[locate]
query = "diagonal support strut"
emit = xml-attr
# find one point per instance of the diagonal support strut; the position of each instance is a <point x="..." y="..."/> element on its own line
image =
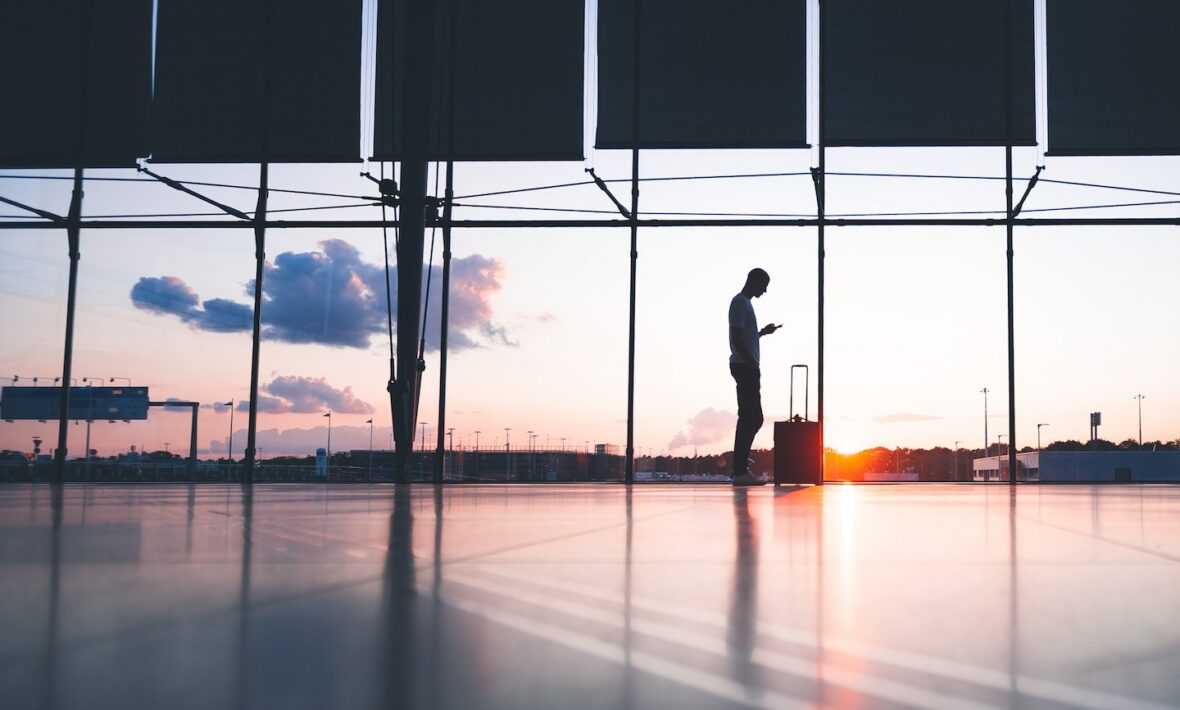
<point x="175" y="185"/>
<point x="56" y="219"/>
<point x="1032" y="182"/>
<point x="603" y="186"/>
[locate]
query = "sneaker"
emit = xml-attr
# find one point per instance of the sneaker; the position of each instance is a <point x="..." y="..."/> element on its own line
<point x="748" y="479"/>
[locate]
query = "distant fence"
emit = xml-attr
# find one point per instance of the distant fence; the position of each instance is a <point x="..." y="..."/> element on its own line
<point x="179" y="472"/>
<point x="77" y="471"/>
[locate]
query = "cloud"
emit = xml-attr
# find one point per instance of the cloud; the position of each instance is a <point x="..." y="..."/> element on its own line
<point x="903" y="417"/>
<point x="166" y="294"/>
<point x="222" y="316"/>
<point x="546" y="317"/>
<point x="169" y="295"/>
<point x="177" y="410"/>
<point x="707" y="426"/>
<point x="474" y="280"/>
<point x="305" y="395"/>
<point x="330" y="297"/>
<point x="333" y="297"/>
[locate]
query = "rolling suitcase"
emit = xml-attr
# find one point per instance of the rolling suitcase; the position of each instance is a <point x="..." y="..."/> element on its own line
<point x="798" y="451"/>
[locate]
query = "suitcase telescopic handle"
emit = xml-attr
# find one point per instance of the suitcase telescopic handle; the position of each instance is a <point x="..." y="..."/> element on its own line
<point x="806" y="391"/>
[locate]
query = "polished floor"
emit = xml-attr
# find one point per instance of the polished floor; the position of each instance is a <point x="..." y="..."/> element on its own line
<point x="589" y="596"/>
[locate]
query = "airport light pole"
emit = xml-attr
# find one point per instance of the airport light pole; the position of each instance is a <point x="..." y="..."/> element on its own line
<point x="112" y="379"/>
<point x="1000" y="455"/>
<point x="477" y="454"/>
<point x="1039" y="435"/>
<point x="507" y="454"/>
<point x="986" y="441"/>
<point x="450" y="446"/>
<point x="90" y="418"/>
<point x="46" y="377"/>
<point x="328" y="461"/>
<point x="530" y="449"/>
<point x="1139" y="397"/>
<point x="423" y="434"/>
<point x="229" y="446"/>
<point x="957" y="460"/>
<point x="370" y="423"/>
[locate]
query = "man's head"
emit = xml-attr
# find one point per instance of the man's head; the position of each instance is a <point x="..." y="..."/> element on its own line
<point x="756" y="282"/>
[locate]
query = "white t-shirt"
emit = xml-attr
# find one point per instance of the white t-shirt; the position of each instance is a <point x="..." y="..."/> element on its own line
<point x="741" y="318"/>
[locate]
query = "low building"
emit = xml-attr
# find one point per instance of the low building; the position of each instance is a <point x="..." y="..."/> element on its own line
<point x="1082" y="467"/>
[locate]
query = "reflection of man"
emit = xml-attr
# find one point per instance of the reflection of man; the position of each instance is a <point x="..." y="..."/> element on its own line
<point x="743" y="365"/>
<point x="743" y="603"/>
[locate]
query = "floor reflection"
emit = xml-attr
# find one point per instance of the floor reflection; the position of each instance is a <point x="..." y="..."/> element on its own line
<point x="1013" y="599"/>
<point x="628" y="691"/>
<point x="242" y="667"/>
<point x="399" y="598"/>
<point x="421" y="596"/>
<point x="49" y="697"/>
<point x="743" y="600"/>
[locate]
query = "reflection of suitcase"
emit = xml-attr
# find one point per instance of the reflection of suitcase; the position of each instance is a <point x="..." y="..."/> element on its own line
<point x="798" y="451"/>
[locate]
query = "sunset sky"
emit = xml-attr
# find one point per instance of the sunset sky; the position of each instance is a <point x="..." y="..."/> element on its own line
<point x="915" y="316"/>
<point x="916" y="319"/>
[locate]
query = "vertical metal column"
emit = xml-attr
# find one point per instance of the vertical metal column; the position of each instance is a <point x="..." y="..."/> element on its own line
<point x="821" y="208"/>
<point x="417" y="100"/>
<point x="629" y="474"/>
<point x="259" y="250"/>
<point x="445" y="317"/>
<point x="629" y="470"/>
<point x="1010" y="228"/>
<point x="256" y="335"/>
<point x="444" y="326"/>
<point x="73" y="234"/>
<point x="74" y="237"/>
<point x="1011" y="325"/>
<point x="192" y="444"/>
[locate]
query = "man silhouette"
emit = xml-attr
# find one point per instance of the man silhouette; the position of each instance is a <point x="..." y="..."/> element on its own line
<point x="744" y="366"/>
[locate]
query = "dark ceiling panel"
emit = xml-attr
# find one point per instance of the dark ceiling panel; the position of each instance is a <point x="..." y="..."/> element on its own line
<point x="927" y="72"/>
<point x="77" y="81"/>
<point x="249" y="81"/>
<point x="1113" y="77"/>
<point x="517" y="85"/>
<point x="712" y="74"/>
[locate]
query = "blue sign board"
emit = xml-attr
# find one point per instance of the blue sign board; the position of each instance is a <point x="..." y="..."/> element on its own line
<point x="85" y="403"/>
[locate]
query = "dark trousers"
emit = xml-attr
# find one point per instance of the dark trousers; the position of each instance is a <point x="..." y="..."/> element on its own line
<point x="749" y="397"/>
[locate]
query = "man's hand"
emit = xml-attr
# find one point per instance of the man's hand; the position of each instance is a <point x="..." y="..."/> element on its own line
<point x="768" y="329"/>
